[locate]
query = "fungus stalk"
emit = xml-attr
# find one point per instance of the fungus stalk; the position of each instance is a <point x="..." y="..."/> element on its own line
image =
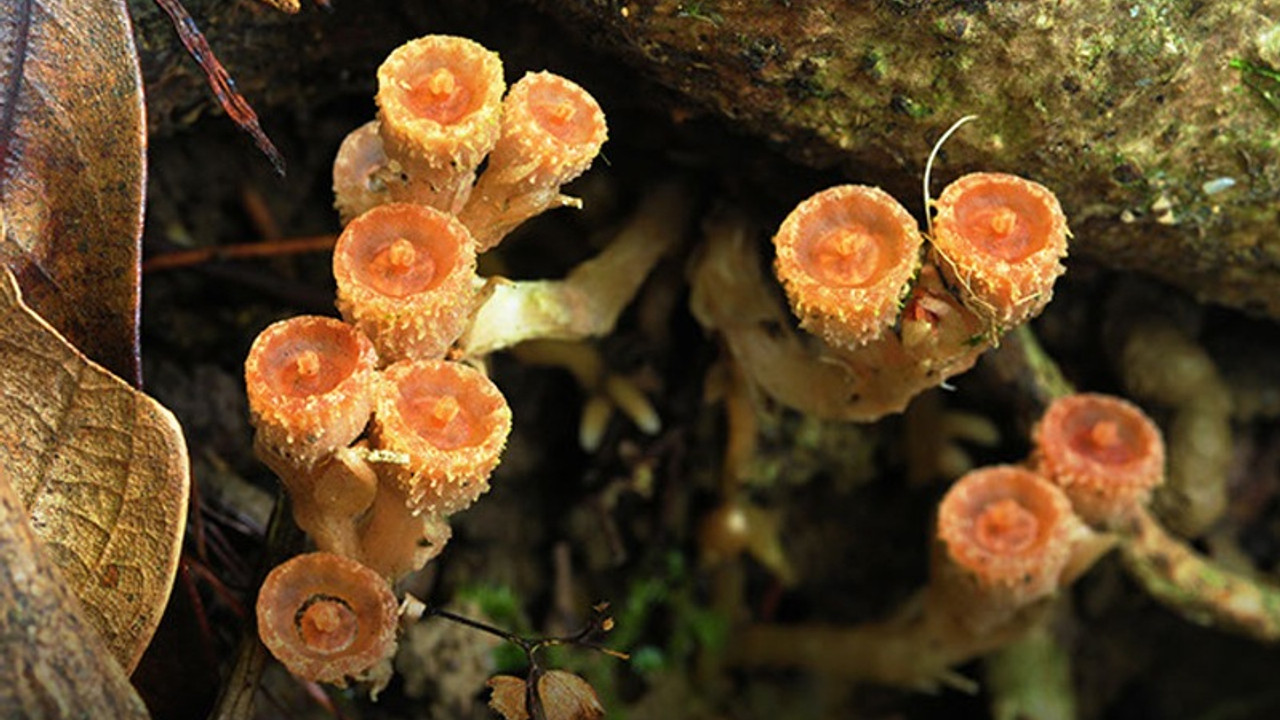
<point x="1031" y="677"/>
<point x="589" y="300"/>
<point x="1161" y="364"/>
<point x="330" y="502"/>
<point x="1196" y="587"/>
<point x="395" y="540"/>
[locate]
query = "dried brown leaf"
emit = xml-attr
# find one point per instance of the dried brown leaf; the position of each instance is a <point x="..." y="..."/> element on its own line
<point x="52" y="663"/>
<point x="72" y="142"/>
<point x="508" y="697"/>
<point x="102" y="470"/>
<point x="566" y="696"/>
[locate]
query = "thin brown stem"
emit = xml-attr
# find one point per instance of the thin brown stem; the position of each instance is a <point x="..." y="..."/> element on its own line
<point x="276" y="248"/>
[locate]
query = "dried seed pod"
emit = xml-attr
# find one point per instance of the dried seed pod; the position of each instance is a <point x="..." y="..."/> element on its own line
<point x="404" y="275"/>
<point x="1007" y="535"/>
<point x="1001" y="240"/>
<point x="1103" y="451"/>
<point x="551" y="131"/>
<point x="439" y="103"/>
<point x="327" y="618"/>
<point x="846" y="257"/>
<point x="309" y="383"/>
<point x="451" y="422"/>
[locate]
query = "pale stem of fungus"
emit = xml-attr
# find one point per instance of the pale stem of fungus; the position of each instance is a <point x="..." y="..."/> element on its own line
<point x="1161" y="363"/>
<point x="589" y="300"/>
<point x="1196" y="587"/>
<point x="393" y="539"/>
<point x="329" y="500"/>
<point x="915" y="649"/>
<point x="605" y="391"/>
<point x="731" y="296"/>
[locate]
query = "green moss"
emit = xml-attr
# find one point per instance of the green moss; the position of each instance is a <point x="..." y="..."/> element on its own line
<point x="1262" y="80"/>
<point x="700" y="11"/>
<point x="874" y="64"/>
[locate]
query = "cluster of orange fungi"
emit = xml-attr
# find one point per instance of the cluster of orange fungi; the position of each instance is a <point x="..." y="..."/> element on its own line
<point x="850" y="255"/>
<point x="1009" y="539"/>
<point x="1013" y="535"/>
<point x="376" y="435"/>
<point x="900" y="311"/>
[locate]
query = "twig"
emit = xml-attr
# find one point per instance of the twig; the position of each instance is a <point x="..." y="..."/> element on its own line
<point x="235" y="702"/>
<point x="275" y="248"/>
<point x="224" y="88"/>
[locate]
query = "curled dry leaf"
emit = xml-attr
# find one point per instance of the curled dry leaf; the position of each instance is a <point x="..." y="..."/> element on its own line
<point x="52" y="663"/>
<point x="102" y="471"/>
<point x="72" y="141"/>
<point x="508" y="698"/>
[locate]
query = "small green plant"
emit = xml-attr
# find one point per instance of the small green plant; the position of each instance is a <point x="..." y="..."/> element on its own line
<point x="1263" y="80"/>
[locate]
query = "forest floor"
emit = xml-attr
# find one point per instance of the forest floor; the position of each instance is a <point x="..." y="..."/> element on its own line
<point x="564" y="528"/>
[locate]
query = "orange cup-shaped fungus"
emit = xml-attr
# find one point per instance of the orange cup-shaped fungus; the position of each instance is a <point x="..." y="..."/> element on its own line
<point x="1104" y="452"/>
<point x="439" y="100"/>
<point x="1007" y="534"/>
<point x="1001" y="240"/>
<point x="404" y="276"/>
<point x="552" y="129"/>
<point x="327" y="618"/>
<point x="359" y="173"/>
<point x="846" y="257"/>
<point x="450" y="421"/>
<point x="309" y="381"/>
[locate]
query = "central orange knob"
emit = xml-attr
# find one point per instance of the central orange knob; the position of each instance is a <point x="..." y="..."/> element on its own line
<point x="1003" y="221"/>
<point x="1005" y="527"/>
<point x="401" y="255"/>
<point x="847" y="258"/>
<point x="307" y="364"/>
<point x="441" y="83"/>
<point x="328" y="625"/>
